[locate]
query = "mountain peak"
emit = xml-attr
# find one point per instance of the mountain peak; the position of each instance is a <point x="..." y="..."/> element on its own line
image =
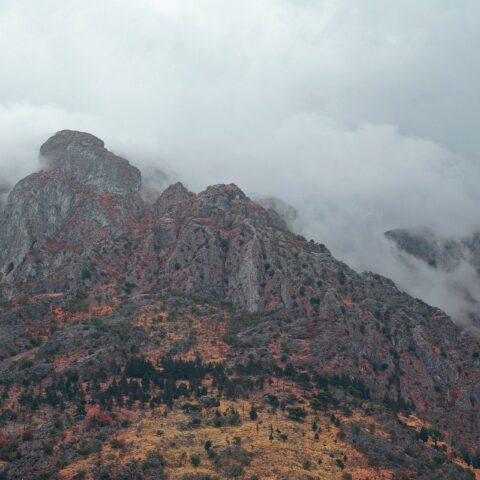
<point x="82" y="157"/>
<point x="69" y="140"/>
<point x="222" y="195"/>
<point x="171" y="196"/>
<point x="224" y="189"/>
<point x="175" y="192"/>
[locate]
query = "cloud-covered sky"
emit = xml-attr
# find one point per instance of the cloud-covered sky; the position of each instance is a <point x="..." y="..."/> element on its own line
<point x="362" y="115"/>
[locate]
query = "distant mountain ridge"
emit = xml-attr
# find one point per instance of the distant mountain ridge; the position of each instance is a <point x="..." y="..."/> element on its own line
<point x="445" y="255"/>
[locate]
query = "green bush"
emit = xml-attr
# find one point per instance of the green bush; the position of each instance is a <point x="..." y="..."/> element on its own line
<point x="296" y="413"/>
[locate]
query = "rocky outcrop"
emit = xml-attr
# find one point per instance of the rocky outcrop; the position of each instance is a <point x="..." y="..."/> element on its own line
<point x="83" y="197"/>
<point x="82" y="216"/>
<point x="83" y="159"/>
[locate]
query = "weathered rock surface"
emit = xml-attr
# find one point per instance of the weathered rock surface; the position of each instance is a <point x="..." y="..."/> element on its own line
<point x="53" y="219"/>
<point x="83" y="158"/>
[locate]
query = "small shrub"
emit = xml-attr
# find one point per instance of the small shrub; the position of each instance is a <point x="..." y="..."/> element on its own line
<point x="234" y="471"/>
<point x="296" y="413"/>
<point x="117" y="444"/>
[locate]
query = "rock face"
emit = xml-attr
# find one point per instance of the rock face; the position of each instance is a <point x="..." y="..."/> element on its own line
<point x="85" y="196"/>
<point x="83" y="213"/>
<point x="82" y="158"/>
<point x="79" y="229"/>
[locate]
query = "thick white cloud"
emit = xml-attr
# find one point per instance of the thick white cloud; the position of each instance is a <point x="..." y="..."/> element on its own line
<point x="363" y="115"/>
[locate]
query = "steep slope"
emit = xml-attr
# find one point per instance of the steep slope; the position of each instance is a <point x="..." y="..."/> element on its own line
<point x="202" y="318"/>
<point x="54" y="219"/>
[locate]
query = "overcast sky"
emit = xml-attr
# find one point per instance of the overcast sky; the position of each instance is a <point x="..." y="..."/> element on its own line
<point x="363" y="115"/>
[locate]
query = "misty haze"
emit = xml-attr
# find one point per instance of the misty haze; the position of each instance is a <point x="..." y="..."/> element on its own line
<point x="251" y="226"/>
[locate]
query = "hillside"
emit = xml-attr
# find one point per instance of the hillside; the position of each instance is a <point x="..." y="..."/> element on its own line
<point x="196" y="337"/>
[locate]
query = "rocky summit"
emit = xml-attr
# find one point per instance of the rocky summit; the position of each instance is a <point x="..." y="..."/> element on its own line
<point x="195" y="337"/>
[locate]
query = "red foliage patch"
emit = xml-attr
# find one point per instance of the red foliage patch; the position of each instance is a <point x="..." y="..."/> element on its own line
<point x="104" y="417"/>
